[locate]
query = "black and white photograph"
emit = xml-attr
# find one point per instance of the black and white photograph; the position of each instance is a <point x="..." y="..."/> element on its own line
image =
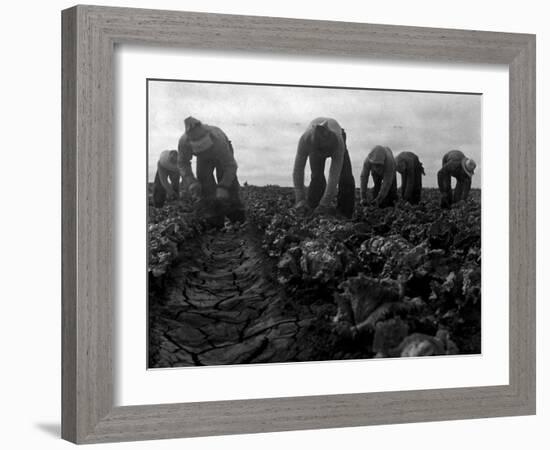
<point x="275" y="225"/>
<point x="289" y="224"/>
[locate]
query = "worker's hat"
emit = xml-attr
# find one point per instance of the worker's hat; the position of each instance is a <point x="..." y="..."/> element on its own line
<point x="191" y="123"/>
<point x="197" y="135"/>
<point x="469" y="166"/>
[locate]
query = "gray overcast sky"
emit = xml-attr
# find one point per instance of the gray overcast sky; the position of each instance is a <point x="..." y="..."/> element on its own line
<point x="265" y="122"/>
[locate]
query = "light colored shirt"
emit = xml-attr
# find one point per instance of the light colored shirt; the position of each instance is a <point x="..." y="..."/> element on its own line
<point x="378" y="156"/>
<point x="213" y="145"/>
<point x="306" y="146"/>
<point x="165" y="168"/>
<point x="166" y="162"/>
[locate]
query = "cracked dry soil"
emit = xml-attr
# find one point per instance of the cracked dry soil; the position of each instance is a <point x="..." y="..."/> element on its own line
<point x="222" y="306"/>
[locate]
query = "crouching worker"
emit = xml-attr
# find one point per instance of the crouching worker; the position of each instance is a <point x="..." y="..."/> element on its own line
<point x="167" y="169"/>
<point x="455" y="164"/>
<point x="324" y="138"/>
<point x="381" y="163"/>
<point x="219" y="197"/>
<point x="411" y="170"/>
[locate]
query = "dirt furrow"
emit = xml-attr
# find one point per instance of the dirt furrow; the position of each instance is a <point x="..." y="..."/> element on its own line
<point x="221" y="306"/>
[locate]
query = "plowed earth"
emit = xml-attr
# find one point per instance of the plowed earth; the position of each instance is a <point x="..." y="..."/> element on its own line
<point x="286" y="287"/>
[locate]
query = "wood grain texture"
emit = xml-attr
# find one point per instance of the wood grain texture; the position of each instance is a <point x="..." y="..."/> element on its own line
<point x="89" y="36"/>
<point x="68" y="225"/>
<point x="523" y="224"/>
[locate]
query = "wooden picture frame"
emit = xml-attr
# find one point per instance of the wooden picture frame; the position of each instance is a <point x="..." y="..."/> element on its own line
<point x="89" y="37"/>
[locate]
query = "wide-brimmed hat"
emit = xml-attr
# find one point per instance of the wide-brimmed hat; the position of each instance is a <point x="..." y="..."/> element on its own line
<point x="198" y="135"/>
<point x="194" y="129"/>
<point x="469" y="166"/>
<point x="190" y="123"/>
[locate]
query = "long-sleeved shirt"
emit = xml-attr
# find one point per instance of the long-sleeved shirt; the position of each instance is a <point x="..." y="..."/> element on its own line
<point x="210" y="143"/>
<point x="322" y="139"/>
<point x="452" y="164"/>
<point x="166" y="167"/>
<point x="381" y="156"/>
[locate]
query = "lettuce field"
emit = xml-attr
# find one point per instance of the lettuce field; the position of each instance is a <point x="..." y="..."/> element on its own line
<point x="285" y="286"/>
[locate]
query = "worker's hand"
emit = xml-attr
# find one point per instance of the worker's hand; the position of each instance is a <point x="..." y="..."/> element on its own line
<point x="222" y="193"/>
<point x="195" y="189"/>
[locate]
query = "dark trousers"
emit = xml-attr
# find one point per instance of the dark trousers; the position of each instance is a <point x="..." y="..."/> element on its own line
<point x="461" y="192"/>
<point x="345" y="200"/>
<point x="159" y="193"/>
<point x="416" y="190"/>
<point x="391" y="198"/>
<point x="212" y="209"/>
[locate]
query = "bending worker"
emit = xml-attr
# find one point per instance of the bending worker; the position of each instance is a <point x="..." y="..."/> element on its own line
<point x="382" y="165"/>
<point x="324" y="138"/>
<point x="219" y="197"/>
<point x="455" y="164"/>
<point x="411" y="170"/>
<point x="167" y="169"/>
